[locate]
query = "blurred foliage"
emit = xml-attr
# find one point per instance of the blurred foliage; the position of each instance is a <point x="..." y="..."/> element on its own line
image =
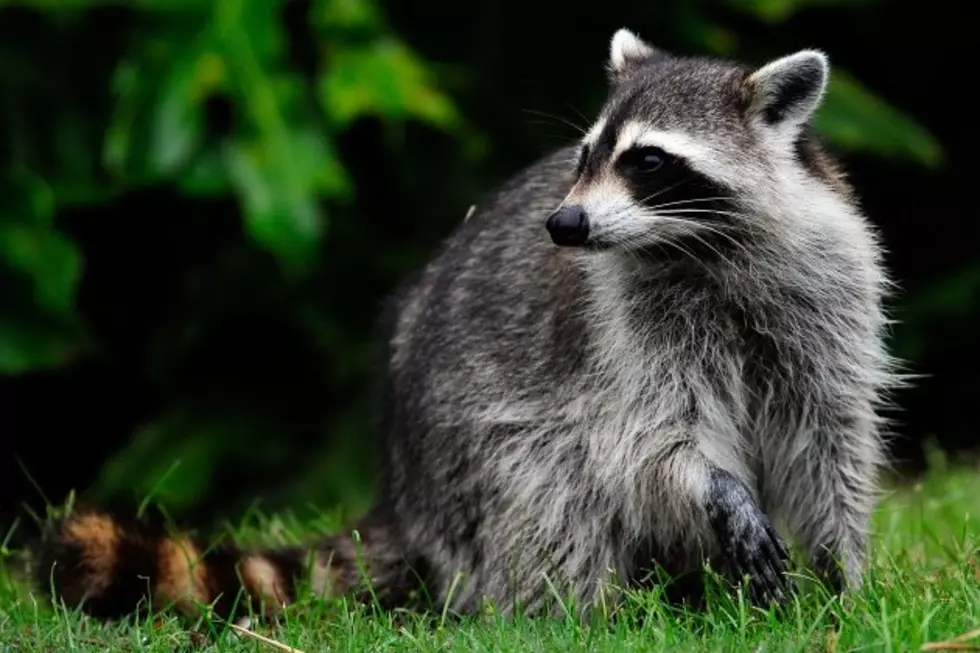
<point x="219" y="101"/>
<point x="202" y="96"/>
<point x="854" y="118"/>
<point x="41" y="268"/>
<point x="780" y="10"/>
<point x="279" y="160"/>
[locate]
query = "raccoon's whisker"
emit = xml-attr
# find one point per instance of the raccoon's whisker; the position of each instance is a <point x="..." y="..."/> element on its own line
<point x="714" y="249"/>
<point x="691" y="255"/>
<point x="626" y="244"/>
<point x="560" y="138"/>
<point x="689" y="201"/>
<point x="684" y="250"/>
<point x="692" y="232"/>
<point x="682" y="210"/>
<point x="580" y="114"/>
<point x="641" y="253"/>
<point x="644" y="252"/>
<point x="664" y="190"/>
<point x="622" y="245"/>
<point x="581" y="130"/>
<point x="729" y="238"/>
<point x="719" y="230"/>
<point x="746" y="226"/>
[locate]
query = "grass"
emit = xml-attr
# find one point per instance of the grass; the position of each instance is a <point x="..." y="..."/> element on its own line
<point x="923" y="587"/>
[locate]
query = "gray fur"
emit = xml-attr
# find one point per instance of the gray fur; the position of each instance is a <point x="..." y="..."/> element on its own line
<point x="555" y="417"/>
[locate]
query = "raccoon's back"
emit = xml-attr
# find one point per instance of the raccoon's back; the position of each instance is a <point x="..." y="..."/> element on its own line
<point x="500" y="300"/>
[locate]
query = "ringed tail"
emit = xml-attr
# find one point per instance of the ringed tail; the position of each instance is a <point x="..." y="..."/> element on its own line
<point x="112" y="568"/>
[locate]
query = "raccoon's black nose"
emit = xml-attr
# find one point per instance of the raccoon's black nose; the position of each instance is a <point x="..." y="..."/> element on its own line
<point x="568" y="226"/>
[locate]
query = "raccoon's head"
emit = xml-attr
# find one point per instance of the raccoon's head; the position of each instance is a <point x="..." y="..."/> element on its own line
<point x="692" y="149"/>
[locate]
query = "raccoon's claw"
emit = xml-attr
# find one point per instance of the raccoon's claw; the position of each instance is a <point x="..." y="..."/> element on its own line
<point x="759" y="553"/>
<point x="749" y="541"/>
<point x="755" y="550"/>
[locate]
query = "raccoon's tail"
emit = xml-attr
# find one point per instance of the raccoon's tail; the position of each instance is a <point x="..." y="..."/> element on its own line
<point x="112" y="567"/>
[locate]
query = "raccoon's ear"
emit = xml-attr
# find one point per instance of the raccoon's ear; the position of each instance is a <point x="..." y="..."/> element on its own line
<point x="627" y="52"/>
<point x="787" y="91"/>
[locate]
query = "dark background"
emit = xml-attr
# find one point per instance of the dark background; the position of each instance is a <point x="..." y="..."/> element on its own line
<point x="204" y="201"/>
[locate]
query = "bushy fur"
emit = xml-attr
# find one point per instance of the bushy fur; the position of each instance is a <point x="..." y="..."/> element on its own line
<point x="560" y="418"/>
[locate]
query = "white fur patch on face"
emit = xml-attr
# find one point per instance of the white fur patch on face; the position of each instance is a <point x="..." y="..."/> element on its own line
<point x="605" y="191"/>
<point x="639" y="134"/>
<point x="700" y="155"/>
<point x="611" y="210"/>
<point x="592" y="135"/>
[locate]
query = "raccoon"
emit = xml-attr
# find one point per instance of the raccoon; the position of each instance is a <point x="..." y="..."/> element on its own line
<point x="658" y="347"/>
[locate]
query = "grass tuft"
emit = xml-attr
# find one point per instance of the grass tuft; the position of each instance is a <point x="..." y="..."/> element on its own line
<point x="921" y="593"/>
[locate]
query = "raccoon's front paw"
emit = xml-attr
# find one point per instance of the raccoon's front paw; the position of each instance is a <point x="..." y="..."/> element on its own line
<point x="748" y="540"/>
<point x="754" y="549"/>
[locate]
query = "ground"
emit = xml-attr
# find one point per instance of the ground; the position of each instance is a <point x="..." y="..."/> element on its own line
<point x="923" y="590"/>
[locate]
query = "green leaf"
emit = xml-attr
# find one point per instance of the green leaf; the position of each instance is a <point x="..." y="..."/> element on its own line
<point x="174" y="6"/>
<point x="206" y="175"/>
<point x="699" y="33"/>
<point x="281" y="210"/>
<point x="157" y="124"/>
<point x="956" y="295"/>
<point x="330" y="16"/>
<point x="175" y="456"/>
<point x="774" y="11"/>
<point x="32" y="343"/>
<point x="39" y="271"/>
<point x="385" y="79"/>
<point x="48" y="257"/>
<point x="854" y="118"/>
<point x="280" y="167"/>
<point x="25" y="196"/>
<point x="31" y="245"/>
<point x="261" y="21"/>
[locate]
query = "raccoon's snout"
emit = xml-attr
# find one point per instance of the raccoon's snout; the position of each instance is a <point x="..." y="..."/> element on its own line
<point x="569" y="226"/>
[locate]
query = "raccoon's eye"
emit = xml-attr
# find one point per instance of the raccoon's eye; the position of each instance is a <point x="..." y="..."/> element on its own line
<point x="645" y="159"/>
